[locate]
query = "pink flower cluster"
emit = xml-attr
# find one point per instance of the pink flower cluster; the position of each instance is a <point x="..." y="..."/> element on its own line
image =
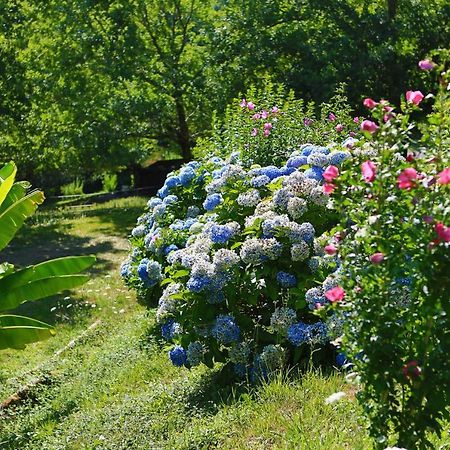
<point x="330" y="173"/>
<point x="264" y="114"/>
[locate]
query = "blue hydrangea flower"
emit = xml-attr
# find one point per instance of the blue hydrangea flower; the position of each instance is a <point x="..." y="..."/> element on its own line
<point x="287" y="170"/>
<point x="193" y="164"/>
<point x="315" y="173"/>
<point x="296" y="161"/>
<point x="159" y="211"/>
<point x="170" y="199"/>
<point x="189" y="222"/>
<point x="154" y="202"/>
<point x="163" y="192"/>
<point x="271" y="171"/>
<point x="170" y="329"/>
<point x="212" y="201"/>
<point x="298" y="333"/>
<point x="142" y="269"/>
<point x="307" y="231"/>
<point x="172" y="182"/>
<point x="216" y="160"/>
<point x="125" y="269"/>
<point x="186" y="175"/>
<point x="313" y="296"/>
<point x="307" y="149"/>
<point x="260" y="181"/>
<point x="194" y="354"/>
<point x="225" y="329"/>
<point x="199" y="283"/>
<point x="138" y="231"/>
<point x="178" y="356"/>
<point x="337" y="158"/>
<point x="220" y="234"/>
<point x="286" y="279"/>
<point x="170" y="248"/>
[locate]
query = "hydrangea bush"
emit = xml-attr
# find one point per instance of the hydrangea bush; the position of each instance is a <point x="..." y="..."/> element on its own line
<point x="236" y="256"/>
<point x="394" y="284"/>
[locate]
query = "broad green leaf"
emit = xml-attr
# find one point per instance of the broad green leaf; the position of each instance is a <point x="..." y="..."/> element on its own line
<point x="39" y="289"/>
<point x="17" y="192"/>
<point x="18" y="331"/>
<point x="7" y="176"/>
<point x="68" y="265"/>
<point x="13" y="217"/>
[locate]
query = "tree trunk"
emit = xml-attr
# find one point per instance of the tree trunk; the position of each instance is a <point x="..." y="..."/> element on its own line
<point x="184" y="139"/>
<point x="392" y="8"/>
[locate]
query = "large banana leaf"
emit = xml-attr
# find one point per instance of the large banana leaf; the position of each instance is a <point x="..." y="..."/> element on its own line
<point x="7" y="176"/>
<point x="17" y="191"/>
<point x="18" y="331"/>
<point x="13" y="217"/>
<point x="38" y="289"/>
<point x="68" y="265"/>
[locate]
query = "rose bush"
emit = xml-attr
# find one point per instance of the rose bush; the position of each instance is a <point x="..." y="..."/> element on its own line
<point x="394" y="281"/>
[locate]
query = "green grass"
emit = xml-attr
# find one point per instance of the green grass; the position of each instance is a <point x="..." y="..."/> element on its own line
<point x="116" y="388"/>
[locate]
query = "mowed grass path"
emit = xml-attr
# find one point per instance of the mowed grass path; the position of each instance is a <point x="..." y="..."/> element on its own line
<point x="115" y="389"/>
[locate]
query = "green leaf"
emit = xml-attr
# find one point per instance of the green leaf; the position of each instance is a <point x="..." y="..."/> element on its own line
<point x="7" y="176"/>
<point x="18" y="331"/>
<point x="13" y="217"/>
<point x="180" y="274"/>
<point x="68" y="265"/>
<point x="36" y="290"/>
<point x="17" y="192"/>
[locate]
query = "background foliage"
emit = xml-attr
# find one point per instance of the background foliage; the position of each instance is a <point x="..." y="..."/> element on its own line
<point x="98" y="85"/>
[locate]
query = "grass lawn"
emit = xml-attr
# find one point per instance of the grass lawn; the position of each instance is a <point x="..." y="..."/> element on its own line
<point x="115" y="388"/>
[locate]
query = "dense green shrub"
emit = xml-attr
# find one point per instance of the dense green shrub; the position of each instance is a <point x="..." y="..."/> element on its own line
<point x="396" y="259"/>
<point x="270" y="123"/>
<point x="75" y="187"/>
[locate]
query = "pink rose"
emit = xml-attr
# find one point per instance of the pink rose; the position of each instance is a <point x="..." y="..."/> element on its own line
<point x="243" y="103"/>
<point x="256" y="116"/>
<point x="377" y="258"/>
<point x="330" y="249"/>
<point x="335" y="295"/>
<point x="368" y="125"/>
<point x="356" y="119"/>
<point x="264" y="114"/>
<point x="368" y="170"/>
<point x="328" y="188"/>
<point x="369" y="103"/>
<point x="254" y="132"/>
<point x="339" y="127"/>
<point x="330" y="173"/>
<point x="406" y="178"/>
<point x="442" y="231"/>
<point x="444" y="176"/>
<point x="268" y="126"/>
<point x="426" y="64"/>
<point x="250" y="106"/>
<point x="414" y="97"/>
<point x="308" y="122"/>
<point x="266" y="132"/>
<point x="331" y="117"/>
<point x="275" y="110"/>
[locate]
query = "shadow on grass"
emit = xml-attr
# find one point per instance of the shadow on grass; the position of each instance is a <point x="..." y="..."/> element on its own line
<point x="37" y="245"/>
